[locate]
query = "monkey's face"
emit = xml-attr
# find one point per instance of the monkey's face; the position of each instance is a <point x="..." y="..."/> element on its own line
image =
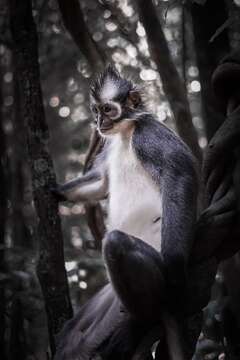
<point x="107" y="116"/>
<point x="114" y="101"/>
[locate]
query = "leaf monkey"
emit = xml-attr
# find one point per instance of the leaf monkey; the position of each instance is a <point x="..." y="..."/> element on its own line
<point x="151" y="180"/>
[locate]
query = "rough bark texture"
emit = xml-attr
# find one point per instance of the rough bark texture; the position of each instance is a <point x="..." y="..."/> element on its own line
<point x="3" y="209"/>
<point x="172" y="84"/>
<point x="50" y="269"/>
<point x="208" y="55"/>
<point x="74" y="22"/>
<point x="21" y="235"/>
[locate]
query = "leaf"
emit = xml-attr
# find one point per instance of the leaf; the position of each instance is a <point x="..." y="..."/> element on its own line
<point x="225" y="25"/>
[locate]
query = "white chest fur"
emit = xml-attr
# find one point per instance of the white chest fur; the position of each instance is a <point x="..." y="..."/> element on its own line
<point x="135" y="201"/>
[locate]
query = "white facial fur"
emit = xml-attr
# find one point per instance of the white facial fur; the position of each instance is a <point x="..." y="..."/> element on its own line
<point x="135" y="202"/>
<point x="118" y="107"/>
<point x="109" y="90"/>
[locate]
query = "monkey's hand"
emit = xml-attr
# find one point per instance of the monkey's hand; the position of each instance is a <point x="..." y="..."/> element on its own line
<point x="58" y="194"/>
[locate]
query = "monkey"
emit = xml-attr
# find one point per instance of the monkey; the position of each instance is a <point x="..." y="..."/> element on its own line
<point x="150" y="177"/>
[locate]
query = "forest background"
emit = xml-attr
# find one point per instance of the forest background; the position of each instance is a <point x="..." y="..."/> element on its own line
<point x="49" y="52"/>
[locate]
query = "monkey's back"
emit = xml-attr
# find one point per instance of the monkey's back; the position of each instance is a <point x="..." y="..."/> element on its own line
<point x="158" y="149"/>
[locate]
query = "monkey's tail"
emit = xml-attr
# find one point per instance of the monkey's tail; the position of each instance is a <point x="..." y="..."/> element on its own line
<point x="173" y="337"/>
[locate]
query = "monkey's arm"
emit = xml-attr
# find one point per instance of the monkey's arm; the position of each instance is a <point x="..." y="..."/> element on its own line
<point x="171" y="165"/>
<point x="92" y="186"/>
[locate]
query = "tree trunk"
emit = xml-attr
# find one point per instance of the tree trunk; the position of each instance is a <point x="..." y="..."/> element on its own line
<point x="173" y="86"/>
<point x="17" y="341"/>
<point x="213" y="14"/>
<point x="50" y="269"/>
<point x="3" y="209"/>
<point x="20" y="233"/>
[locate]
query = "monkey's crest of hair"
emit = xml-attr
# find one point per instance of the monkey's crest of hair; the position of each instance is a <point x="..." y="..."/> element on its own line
<point x="110" y="74"/>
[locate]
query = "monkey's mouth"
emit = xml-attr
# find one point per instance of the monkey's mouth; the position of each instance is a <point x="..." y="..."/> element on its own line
<point x="105" y="128"/>
<point x="106" y="125"/>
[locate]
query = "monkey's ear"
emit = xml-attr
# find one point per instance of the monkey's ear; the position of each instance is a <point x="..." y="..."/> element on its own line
<point x="134" y="98"/>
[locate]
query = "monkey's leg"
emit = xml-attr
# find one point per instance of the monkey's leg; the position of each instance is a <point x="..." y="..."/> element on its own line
<point x="136" y="272"/>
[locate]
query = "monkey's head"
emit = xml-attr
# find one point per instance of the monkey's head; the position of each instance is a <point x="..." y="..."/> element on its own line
<point x="115" y="102"/>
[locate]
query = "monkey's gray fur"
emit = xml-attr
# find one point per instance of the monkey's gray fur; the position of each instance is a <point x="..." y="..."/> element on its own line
<point x="151" y="179"/>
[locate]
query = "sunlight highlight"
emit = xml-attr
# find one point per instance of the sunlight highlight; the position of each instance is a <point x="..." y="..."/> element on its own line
<point x="54" y="101"/>
<point x="140" y="30"/>
<point x="83" y="285"/>
<point x="195" y="86"/>
<point x="70" y="265"/>
<point x="64" y="111"/>
<point x="148" y="75"/>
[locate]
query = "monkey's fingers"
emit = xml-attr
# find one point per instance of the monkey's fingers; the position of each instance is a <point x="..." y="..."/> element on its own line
<point x="58" y="194"/>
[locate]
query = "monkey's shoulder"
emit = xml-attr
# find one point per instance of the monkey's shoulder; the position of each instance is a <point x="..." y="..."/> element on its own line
<point x="159" y="148"/>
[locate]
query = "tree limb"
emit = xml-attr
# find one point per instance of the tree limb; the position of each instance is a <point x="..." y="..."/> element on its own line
<point x="74" y="22"/>
<point x="3" y="218"/>
<point x="50" y="269"/>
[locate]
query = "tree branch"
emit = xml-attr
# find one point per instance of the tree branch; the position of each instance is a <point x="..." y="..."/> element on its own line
<point x="172" y="83"/>
<point x="50" y="268"/>
<point x="74" y="22"/>
<point x="3" y="217"/>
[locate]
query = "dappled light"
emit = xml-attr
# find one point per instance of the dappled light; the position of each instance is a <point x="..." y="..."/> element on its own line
<point x="195" y="86"/>
<point x="64" y="111"/>
<point x="50" y="248"/>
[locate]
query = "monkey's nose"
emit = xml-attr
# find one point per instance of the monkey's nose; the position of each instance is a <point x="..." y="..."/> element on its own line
<point x="106" y="123"/>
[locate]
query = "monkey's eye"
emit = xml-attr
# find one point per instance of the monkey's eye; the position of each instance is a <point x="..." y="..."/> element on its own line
<point x="110" y="110"/>
<point x="107" y="108"/>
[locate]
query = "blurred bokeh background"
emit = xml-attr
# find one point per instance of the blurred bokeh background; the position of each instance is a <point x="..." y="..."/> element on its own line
<point x="198" y="34"/>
